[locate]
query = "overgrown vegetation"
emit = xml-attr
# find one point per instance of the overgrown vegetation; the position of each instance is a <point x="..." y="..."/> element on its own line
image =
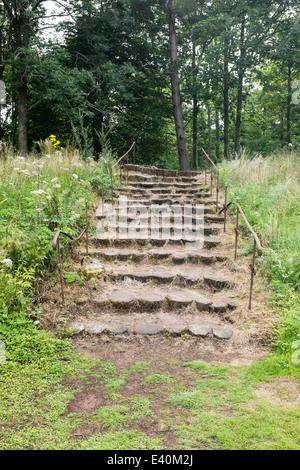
<point x="268" y="190"/>
<point x="39" y="195"/>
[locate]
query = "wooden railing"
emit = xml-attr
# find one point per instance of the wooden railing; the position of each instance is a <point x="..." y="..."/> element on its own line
<point x="56" y="246"/>
<point x="211" y="176"/>
<point x="256" y="247"/>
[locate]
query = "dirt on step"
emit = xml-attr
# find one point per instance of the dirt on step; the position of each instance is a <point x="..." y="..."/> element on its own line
<point x="126" y="351"/>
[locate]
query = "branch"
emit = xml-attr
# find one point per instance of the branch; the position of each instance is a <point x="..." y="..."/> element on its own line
<point x="189" y="74"/>
<point x="161" y="28"/>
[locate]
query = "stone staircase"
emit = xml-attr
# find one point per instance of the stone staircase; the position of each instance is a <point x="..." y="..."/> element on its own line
<point x="156" y="264"/>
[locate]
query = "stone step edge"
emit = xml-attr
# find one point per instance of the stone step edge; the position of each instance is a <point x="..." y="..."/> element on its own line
<point x="199" y="329"/>
<point x="159" y="171"/>
<point x="133" y="301"/>
<point x="98" y="240"/>
<point x="136" y="256"/>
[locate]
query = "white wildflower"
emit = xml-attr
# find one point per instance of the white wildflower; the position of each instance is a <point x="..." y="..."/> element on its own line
<point x="38" y="192"/>
<point x="54" y="180"/>
<point x="7" y="261"/>
<point x="56" y="186"/>
<point x="75" y="176"/>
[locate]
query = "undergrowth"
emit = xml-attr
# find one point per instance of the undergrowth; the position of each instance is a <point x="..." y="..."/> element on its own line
<point x="268" y="190"/>
<point x="39" y="194"/>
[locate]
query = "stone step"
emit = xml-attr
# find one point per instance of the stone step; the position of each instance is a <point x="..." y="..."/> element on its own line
<point x="173" y="199"/>
<point x="136" y="178"/>
<point x="110" y="239"/>
<point x="145" y="219"/>
<point x="156" y="228"/>
<point x="135" y="210"/>
<point x="187" y="276"/>
<point x="157" y="255"/>
<point x="167" y="325"/>
<point x="153" y="298"/>
<point x="155" y="185"/>
<point x="151" y="170"/>
<point x="160" y="198"/>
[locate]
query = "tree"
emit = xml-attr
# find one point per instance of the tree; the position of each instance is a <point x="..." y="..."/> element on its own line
<point x="22" y="17"/>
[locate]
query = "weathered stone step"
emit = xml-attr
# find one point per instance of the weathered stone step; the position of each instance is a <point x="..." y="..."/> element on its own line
<point x="109" y="239"/>
<point x="155" y="228"/>
<point x="150" y="170"/>
<point x="171" y="197"/>
<point x="153" y="298"/>
<point x="139" y="211"/>
<point x="156" y="185"/>
<point x="193" y="220"/>
<point x="144" y="178"/>
<point x="168" y="325"/>
<point x="181" y="276"/>
<point x="158" y="255"/>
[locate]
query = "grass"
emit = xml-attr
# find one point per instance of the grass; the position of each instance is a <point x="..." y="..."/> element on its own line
<point x="207" y="407"/>
<point x="268" y="190"/>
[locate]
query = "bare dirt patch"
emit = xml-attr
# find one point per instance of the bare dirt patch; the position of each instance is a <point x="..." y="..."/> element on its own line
<point x="282" y="391"/>
<point x="126" y="351"/>
<point x="88" y="400"/>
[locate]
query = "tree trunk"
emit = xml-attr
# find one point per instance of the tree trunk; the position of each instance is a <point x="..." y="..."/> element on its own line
<point x="176" y="97"/>
<point x="195" y="115"/>
<point x="22" y="118"/>
<point x="226" y="98"/>
<point x="217" y="121"/>
<point x="209" y="130"/>
<point x="238" y="123"/>
<point x="288" y="109"/>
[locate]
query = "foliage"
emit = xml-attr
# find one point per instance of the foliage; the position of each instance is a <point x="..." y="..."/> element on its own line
<point x="269" y="193"/>
<point x="38" y="195"/>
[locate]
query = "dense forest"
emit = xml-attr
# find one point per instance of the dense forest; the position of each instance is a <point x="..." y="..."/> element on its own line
<point x="175" y="76"/>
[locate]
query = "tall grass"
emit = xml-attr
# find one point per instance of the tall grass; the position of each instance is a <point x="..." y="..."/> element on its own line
<point x="268" y="189"/>
<point x="39" y="194"/>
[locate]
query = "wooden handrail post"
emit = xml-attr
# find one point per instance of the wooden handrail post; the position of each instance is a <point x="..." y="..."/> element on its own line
<point x="217" y="193"/>
<point x="111" y="186"/>
<point x="236" y="234"/>
<point x="252" y="266"/>
<point x="86" y="229"/>
<point x="225" y="209"/>
<point x="60" y="272"/>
